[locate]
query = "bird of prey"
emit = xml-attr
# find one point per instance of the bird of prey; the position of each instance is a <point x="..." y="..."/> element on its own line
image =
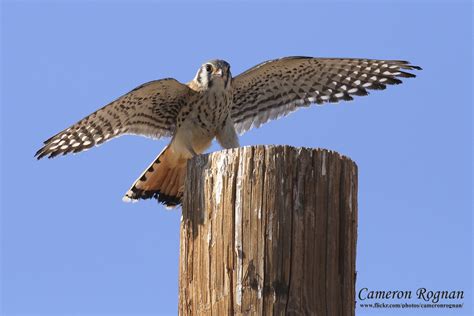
<point x="216" y="105"/>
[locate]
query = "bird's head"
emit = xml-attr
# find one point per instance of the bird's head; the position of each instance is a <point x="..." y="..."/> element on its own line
<point x="214" y="74"/>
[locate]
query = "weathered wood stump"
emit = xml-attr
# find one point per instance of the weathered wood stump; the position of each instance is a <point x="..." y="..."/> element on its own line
<point x="269" y="230"/>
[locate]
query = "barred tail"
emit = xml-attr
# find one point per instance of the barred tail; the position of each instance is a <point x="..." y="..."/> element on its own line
<point x="163" y="180"/>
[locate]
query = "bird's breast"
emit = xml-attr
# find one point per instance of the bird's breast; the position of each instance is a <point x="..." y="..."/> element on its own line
<point x="207" y="112"/>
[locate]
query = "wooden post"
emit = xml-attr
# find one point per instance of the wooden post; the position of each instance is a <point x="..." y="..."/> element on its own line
<point x="269" y="230"/>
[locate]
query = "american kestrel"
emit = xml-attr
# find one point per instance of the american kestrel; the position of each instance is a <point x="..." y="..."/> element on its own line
<point x="214" y="104"/>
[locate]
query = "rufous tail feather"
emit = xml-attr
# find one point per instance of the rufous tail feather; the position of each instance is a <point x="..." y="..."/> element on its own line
<point x="163" y="180"/>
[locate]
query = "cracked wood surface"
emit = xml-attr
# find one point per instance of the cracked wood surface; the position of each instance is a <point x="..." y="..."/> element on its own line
<point x="269" y="230"/>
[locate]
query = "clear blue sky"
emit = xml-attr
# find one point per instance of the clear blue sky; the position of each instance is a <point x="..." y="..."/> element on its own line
<point x="69" y="245"/>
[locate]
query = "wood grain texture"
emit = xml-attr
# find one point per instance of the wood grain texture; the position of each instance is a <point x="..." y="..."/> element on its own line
<point x="269" y="230"/>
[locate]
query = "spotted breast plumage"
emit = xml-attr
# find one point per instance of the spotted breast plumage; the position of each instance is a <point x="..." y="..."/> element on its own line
<point x="216" y="105"/>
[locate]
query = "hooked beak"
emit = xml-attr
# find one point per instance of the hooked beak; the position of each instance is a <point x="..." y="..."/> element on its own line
<point x="218" y="72"/>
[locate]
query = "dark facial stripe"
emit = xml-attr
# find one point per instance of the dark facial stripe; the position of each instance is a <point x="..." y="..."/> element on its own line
<point x="228" y="77"/>
<point x="209" y="80"/>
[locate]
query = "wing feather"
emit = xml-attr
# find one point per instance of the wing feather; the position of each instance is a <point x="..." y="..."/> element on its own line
<point x="148" y="110"/>
<point x="278" y="87"/>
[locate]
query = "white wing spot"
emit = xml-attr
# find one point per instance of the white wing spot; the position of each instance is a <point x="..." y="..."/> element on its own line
<point x="87" y="142"/>
<point x="357" y="82"/>
<point x="339" y="95"/>
<point x="367" y="84"/>
<point x="353" y="90"/>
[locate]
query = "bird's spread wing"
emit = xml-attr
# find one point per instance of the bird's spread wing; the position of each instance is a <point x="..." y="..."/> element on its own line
<point x="149" y="110"/>
<point x="275" y="88"/>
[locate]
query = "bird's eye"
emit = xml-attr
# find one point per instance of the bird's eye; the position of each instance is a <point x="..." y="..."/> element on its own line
<point x="208" y="68"/>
